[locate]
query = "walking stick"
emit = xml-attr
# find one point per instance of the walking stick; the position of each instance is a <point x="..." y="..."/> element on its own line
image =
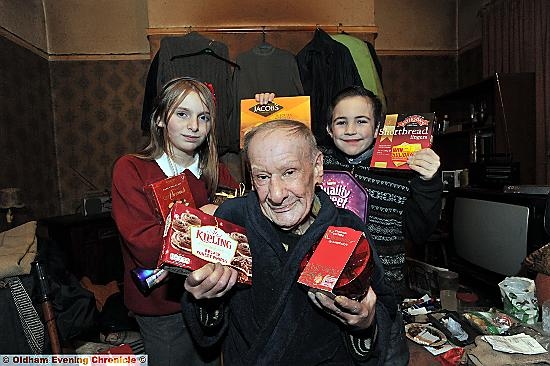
<point x="47" y="308"/>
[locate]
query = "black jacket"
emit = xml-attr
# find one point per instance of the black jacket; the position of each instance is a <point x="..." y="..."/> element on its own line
<point x="326" y="67"/>
<point x="169" y="63"/>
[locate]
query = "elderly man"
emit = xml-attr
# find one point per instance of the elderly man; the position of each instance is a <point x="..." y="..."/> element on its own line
<point x="277" y="321"/>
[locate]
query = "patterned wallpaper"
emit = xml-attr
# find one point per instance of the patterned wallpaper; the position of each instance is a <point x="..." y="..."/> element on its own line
<point x="27" y="150"/>
<point x="65" y="117"/>
<point x="97" y="111"/>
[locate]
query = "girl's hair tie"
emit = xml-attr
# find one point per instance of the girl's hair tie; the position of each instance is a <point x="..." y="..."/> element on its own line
<point x="211" y="88"/>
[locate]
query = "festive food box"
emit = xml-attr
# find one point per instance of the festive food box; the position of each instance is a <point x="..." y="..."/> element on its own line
<point x="164" y="193"/>
<point x="340" y="264"/>
<point x="193" y="238"/>
<point x="224" y="193"/>
<point x="400" y="136"/>
<point x="254" y="114"/>
<point x="346" y="192"/>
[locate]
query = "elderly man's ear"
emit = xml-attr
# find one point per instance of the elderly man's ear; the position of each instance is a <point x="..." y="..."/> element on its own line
<point x="318" y="169"/>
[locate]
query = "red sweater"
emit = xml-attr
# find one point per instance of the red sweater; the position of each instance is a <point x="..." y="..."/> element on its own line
<point x="142" y="233"/>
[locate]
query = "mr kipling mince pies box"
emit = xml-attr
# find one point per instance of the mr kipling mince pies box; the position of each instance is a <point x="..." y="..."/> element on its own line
<point x="400" y="136"/>
<point x="340" y="264"/>
<point x="254" y="113"/>
<point x="193" y="238"/>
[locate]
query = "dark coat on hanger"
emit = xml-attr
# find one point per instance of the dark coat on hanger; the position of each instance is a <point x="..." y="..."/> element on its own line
<point x="150" y="94"/>
<point x="376" y="60"/>
<point x="266" y="68"/>
<point x="326" y="67"/>
<point x="204" y="67"/>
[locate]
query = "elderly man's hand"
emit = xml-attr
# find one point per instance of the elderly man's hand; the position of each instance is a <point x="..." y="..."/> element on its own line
<point x="356" y="314"/>
<point x="209" y="208"/>
<point x="425" y="162"/>
<point x="210" y="281"/>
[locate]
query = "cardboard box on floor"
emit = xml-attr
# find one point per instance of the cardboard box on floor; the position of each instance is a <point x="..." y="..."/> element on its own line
<point x="422" y="277"/>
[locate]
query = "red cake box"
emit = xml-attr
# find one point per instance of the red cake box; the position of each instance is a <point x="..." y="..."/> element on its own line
<point x="346" y="192"/>
<point x="340" y="264"/>
<point x="164" y="193"/>
<point x="400" y="136"/>
<point x="193" y="238"/>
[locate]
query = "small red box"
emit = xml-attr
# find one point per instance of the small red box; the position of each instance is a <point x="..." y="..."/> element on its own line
<point x="340" y="264"/>
<point x="164" y="193"/>
<point x="193" y="238"/>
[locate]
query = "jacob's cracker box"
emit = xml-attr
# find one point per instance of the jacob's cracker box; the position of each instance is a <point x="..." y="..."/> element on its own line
<point x="254" y="114"/>
<point x="400" y="136"/>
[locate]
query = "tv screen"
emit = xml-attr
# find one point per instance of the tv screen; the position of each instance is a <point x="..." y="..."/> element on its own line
<point x="491" y="235"/>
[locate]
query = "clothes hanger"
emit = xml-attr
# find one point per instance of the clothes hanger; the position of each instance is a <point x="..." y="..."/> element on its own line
<point x="318" y="29"/>
<point x="339" y="28"/>
<point x="264" y="45"/>
<point x="207" y="51"/>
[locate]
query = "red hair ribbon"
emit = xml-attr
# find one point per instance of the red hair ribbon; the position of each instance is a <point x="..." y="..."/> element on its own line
<point x="211" y="88"/>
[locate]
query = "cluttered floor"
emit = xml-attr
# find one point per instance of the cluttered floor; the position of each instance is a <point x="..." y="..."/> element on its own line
<point x="483" y="326"/>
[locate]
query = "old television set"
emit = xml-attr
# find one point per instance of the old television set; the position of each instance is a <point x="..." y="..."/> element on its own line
<point x="493" y="231"/>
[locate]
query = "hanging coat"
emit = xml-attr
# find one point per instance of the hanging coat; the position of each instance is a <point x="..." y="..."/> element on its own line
<point x="326" y="67"/>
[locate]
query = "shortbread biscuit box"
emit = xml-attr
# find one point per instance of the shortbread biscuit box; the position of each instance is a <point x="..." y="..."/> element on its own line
<point x="193" y="238"/>
<point x="399" y="137"/>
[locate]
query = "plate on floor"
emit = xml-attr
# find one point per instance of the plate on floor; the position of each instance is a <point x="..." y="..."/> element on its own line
<point x="425" y="334"/>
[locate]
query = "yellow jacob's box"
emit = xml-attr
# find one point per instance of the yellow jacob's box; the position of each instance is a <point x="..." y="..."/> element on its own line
<point x="254" y="114"/>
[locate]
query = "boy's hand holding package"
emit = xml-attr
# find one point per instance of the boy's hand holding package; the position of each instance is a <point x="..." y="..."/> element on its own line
<point x="425" y="162"/>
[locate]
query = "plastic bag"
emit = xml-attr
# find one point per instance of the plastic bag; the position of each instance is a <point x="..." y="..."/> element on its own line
<point x="490" y="322"/>
<point x="519" y="299"/>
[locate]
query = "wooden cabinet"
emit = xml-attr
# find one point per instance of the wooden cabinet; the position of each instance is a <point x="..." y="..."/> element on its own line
<point x="491" y="130"/>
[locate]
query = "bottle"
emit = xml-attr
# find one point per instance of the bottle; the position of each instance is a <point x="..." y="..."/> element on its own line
<point x="464" y="178"/>
<point x="546" y="317"/>
<point x="437" y="126"/>
<point x="448" y="285"/>
<point x="445" y="123"/>
<point x="473" y="114"/>
<point x="474" y="137"/>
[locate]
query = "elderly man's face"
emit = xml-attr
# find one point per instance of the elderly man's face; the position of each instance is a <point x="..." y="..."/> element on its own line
<point x="284" y="176"/>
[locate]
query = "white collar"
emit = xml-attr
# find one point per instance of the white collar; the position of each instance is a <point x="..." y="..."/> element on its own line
<point x="168" y="166"/>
